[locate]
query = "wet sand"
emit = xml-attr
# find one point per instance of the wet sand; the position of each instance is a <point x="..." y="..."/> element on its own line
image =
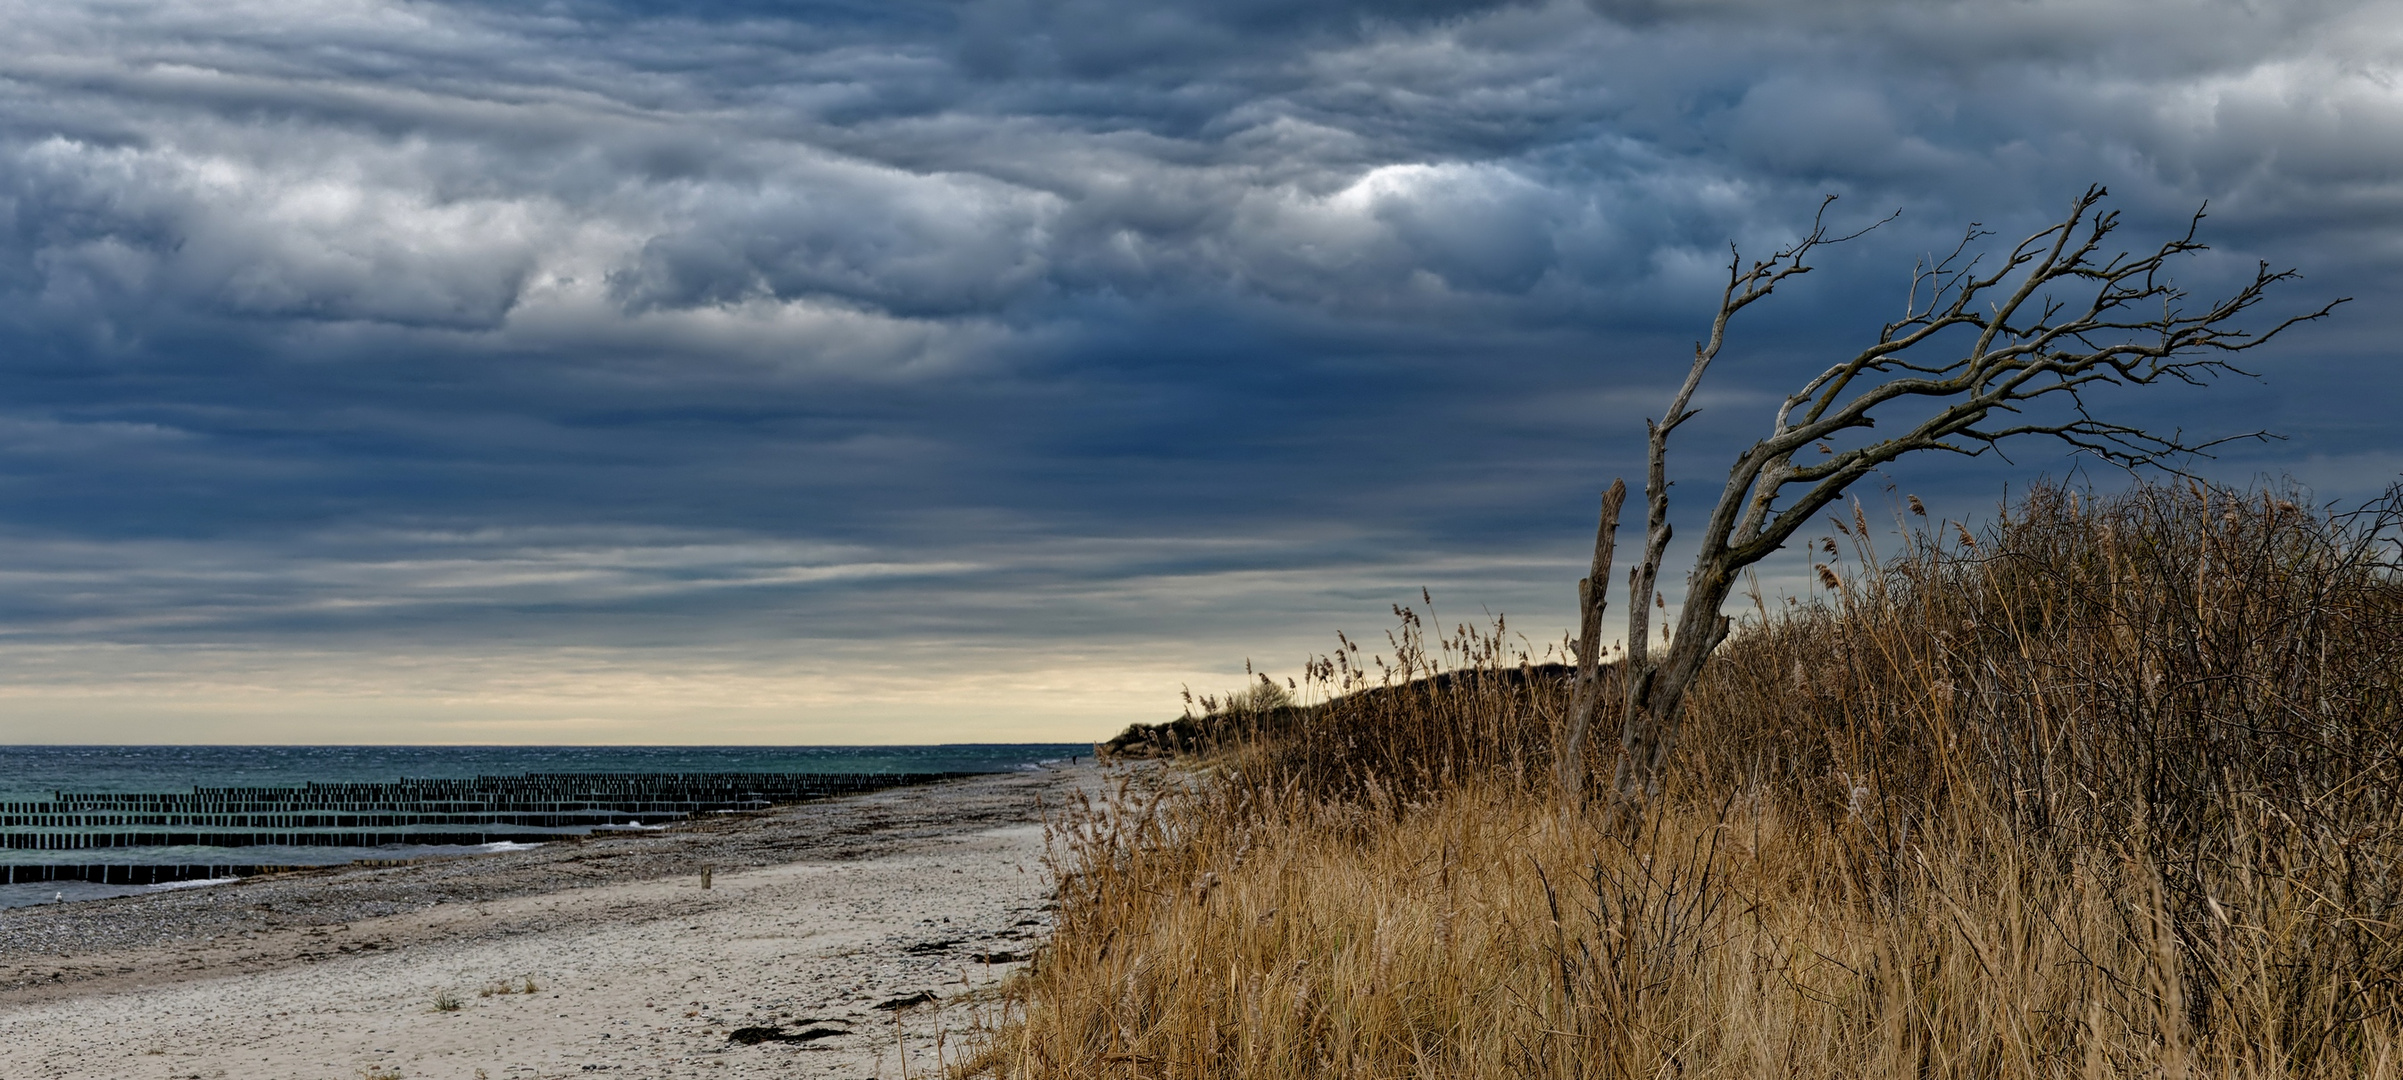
<point x="818" y="914"/>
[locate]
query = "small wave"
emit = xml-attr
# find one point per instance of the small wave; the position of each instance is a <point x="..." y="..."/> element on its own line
<point x="192" y="884"/>
<point x="505" y="845"/>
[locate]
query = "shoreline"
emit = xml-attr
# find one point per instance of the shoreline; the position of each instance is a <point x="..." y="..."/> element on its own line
<point x="833" y="907"/>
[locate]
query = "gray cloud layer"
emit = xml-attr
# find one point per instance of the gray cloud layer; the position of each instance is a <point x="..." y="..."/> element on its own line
<point x="754" y="326"/>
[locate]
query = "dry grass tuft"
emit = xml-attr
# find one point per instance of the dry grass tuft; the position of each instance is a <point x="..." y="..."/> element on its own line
<point x="499" y="987"/>
<point x="2106" y="791"/>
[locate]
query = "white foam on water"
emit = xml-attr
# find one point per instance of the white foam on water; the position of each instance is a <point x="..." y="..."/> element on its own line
<point x="192" y="884"/>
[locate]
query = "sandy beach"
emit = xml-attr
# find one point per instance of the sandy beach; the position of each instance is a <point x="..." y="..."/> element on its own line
<point x="834" y="936"/>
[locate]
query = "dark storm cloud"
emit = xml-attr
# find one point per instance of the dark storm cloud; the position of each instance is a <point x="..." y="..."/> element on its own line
<point x="617" y="323"/>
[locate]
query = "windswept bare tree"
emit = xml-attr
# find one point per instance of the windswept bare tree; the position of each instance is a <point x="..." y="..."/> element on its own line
<point x="1980" y="346"/>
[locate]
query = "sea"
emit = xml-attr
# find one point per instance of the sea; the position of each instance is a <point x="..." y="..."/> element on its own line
<point x="35" y="773"/>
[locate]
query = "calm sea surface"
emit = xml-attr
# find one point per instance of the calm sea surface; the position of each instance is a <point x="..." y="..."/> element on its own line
<point x="33" y="773"/>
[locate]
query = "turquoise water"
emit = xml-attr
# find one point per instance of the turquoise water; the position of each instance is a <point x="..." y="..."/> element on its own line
<point x="34" y="773"/>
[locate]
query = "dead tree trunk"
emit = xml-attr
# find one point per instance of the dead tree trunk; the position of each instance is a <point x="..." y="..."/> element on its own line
<point x="1592" y="596"/>
<point x="2055" y="320"/>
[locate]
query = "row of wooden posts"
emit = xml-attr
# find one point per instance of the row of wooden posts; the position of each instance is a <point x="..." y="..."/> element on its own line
<point x="482" y="810"/>
<point x="534" y="791"/>
<point x="561" y="819"/>
<point x="132" y="874"/>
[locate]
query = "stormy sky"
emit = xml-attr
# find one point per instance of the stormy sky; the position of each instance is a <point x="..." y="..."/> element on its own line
<point x="745" y="372"/>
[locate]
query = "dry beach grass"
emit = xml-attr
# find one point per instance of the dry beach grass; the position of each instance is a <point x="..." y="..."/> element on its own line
<point x="2109" y="790"/>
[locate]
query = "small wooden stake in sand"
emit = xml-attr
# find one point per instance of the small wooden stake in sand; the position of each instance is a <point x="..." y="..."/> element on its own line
<point x="704" y="877"/>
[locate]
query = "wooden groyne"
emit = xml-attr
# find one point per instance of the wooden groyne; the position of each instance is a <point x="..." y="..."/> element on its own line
<point x="86" y="841"/>
<point x="626" y="792"/>
<point x="134" y="873"/>
<point x="447" y="812"/>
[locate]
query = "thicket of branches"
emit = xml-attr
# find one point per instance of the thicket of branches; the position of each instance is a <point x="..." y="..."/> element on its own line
<point x="2210" y="679"/>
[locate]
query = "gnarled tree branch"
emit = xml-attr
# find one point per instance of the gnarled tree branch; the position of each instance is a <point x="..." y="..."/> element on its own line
<point x="2054" y="318"/>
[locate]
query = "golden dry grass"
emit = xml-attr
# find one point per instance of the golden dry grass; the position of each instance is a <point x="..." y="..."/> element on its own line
<point x="2107" y="792"/>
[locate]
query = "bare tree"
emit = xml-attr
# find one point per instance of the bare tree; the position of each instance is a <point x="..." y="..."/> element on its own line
<point x="1977" y="344"/>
